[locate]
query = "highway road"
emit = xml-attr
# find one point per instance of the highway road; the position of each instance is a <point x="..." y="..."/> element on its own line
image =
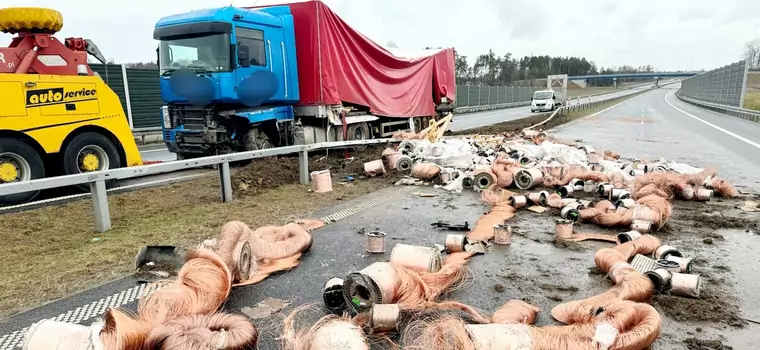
<point x="654" y="124"/>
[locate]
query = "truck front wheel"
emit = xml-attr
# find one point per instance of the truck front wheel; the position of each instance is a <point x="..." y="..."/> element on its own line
<point x="90" y="151"/>
<point x="19" y="162"/>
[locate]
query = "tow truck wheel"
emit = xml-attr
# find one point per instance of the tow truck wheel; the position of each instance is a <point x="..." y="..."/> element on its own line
<point x="19" y="162"/>
<point x="88" y="152"/>
<point x="30" y="19"/>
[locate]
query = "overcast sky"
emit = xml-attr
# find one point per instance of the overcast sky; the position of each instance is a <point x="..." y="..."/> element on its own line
<point x="668" y="34"/>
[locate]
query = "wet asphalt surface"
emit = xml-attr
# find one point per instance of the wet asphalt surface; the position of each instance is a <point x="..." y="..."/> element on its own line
<point x="532" y="268"/>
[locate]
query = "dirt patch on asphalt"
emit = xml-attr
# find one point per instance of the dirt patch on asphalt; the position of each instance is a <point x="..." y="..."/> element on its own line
<point x="273" y="172"/>
<point x="701" y="344"/>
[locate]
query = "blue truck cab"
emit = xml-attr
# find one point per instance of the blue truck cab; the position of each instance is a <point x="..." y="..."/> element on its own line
<point x="228" y="78"/>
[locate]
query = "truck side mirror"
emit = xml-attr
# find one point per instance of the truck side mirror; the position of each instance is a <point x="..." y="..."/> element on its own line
<point x="244" y="56"/>
<point x="554" y="97"/>
<point x="531" y="98"/>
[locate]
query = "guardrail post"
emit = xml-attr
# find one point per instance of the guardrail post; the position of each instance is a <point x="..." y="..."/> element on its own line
<point x="226" y="182"/>
<point x="100" y="204"/>
<point x="303" y="166"/>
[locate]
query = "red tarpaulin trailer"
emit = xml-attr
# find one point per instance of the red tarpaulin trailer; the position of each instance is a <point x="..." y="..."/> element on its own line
<point x="338" y="64"/>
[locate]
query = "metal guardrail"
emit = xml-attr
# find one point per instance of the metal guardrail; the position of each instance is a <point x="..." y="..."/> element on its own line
<point x="97" y="180"/>
<point x="747" y="114"/>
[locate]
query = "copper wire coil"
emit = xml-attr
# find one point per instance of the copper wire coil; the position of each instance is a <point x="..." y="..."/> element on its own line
<point x="563" y="229"/>
<point x="417" y="258"/>
<point x="641" y="226"/>
<point x="686" y="285"/>
<point x="684" y="264"/>
<point x="455" y="243"/>
<point x="664" y="251"/>
<point x="243" y="259"/>
<point x="376" y="242"/>
<point x="628" y="236"/>
<point x="502" y="234"/>
<point x="518" y="202"/>
<point x="384" y="317"/>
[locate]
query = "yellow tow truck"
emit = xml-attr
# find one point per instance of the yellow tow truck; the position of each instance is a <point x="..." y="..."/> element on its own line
<point x="57" y="116"/>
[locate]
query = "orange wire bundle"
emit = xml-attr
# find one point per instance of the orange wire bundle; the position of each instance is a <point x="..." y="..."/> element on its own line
<point x="274" y="248"/>
<point x="629" y="283"/>
<point x="202" y="285"/>
<point x="505" y="170"/>
<point x="201" y="332"/>
<point x="499" y="213"/>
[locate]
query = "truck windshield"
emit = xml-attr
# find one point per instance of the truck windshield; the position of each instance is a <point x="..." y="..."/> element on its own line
<point x="542" y="95"/>
<point x="202" y="53"/>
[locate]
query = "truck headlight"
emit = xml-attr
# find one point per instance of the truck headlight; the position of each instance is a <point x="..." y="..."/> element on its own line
<point x="167" y="118"/>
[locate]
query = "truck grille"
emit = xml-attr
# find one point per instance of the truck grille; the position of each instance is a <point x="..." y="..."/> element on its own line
<point x="192" y="119"/>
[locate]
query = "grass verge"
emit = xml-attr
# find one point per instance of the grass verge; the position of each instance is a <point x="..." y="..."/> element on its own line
<point x="52" y="252"/>
<point x="752" y="94"/>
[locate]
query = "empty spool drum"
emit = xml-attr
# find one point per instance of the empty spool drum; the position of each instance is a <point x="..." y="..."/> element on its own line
<point x="502" y="234"/>
<point x="332" y="295"/>
<point x="664" y="251"/>
<point x="455" y="243"/>
<point x="686" y="285"/>
<point x="641" y="226"/>
<point x="404" y="163"/>
<point x="528" y="178"/>
<point x="628" y="236"/>
<point x="376" y="242"/>
<point x="375" y="284"/>
<point x="661" y="279"/>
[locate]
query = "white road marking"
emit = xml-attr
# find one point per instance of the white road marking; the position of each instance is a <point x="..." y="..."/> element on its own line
<point x="155" y="150"/>
<point x="741" y="138"/>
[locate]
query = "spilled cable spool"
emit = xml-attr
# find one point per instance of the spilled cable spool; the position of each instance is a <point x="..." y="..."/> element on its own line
<point x="384" y="317"/>
<point x="571" y="212"/>
<point x="416" y="258"/>
<point x="483" y="180"/>
<point x="49" y="334"/>
<point x="468" y="182"/>
<point x="627" y="203"/>
<point x="604" y="189"/>
<point x="641" y="226"/>
<point x="425" y="171"/>
<point x="332" y="295"/>
<point x="664" y="251"/>
<point x="704" y="194"/>
<point x="684" y="264"/>
<point x="455" y="243"/>
<point x="321" y="181"/>
<point x="518" y="202"/>
<point x="539" y="198"/>
<point x="661" y="279"/>
<point x="374" y="284"/>
<point x="374" y="168"/>
<point x="589" y="186"/>
<point x="392" y="159"/>
<point x="563" y="229"/>
<point x="578" y="185"/>
<point x="404" y="163"/>
<point x="242" y="259"/>
<point x="669" y="265"/>
<point x="619" y="194"/>
<point x="376" y="242"/>
<point x="526" y="179"/>
<point x="565" y="191"/>
<point x="502" y="234"/>
<point x="406" y="146"/>
<point x="685" y="285"/>
<point x="628" y="236"/>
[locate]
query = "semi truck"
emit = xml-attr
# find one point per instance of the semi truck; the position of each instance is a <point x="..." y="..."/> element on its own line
<point x="57" y="116"/>
<point x="239" y="79"/>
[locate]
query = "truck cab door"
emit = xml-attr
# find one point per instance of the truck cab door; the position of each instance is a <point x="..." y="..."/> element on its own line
<point x="253" y="58"/>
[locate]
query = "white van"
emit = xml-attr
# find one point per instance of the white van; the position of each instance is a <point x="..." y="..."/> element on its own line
<point x="545" y="100"/>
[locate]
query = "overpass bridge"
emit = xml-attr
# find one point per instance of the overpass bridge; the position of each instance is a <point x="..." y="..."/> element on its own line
<point x="582" y="80"/>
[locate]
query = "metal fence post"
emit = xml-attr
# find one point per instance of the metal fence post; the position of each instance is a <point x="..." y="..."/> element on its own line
<point x="489" y="95"/>
<point x="303" y="167"/>
<point x="480" y="95"/>
<point x="100" y="204"/>
<point x="226" y="182"/>
<point x="744" y="85"/>
<point x="126" y="95"/>
<point x="468" y="96"/>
